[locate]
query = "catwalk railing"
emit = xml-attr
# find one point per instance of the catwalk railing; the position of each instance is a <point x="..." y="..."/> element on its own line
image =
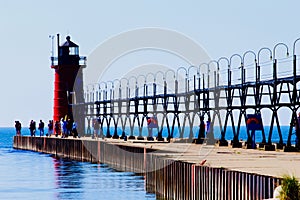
<point x="223" y="91"/>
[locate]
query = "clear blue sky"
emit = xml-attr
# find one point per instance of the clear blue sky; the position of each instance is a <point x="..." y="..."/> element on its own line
<point x="221" y="27"/>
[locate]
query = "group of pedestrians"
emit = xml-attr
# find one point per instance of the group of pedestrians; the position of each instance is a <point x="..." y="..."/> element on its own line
<point x="64" y="128"/>
<point x="41" y="128"/>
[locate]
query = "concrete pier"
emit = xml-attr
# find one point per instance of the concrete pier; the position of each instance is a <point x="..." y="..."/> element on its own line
<point x="178" y="170"/>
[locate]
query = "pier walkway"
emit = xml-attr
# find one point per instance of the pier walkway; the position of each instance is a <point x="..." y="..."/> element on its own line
<point x="271" y="163"/>
<point x="177" y="170"/>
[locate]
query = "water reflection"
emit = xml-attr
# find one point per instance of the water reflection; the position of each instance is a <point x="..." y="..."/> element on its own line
<point x="27" y="175"/>
<point x="68" y="178"/>
<point x="77" y="180"/>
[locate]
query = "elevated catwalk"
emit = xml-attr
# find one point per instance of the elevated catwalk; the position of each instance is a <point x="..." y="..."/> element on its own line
<point x="223" y="91"/>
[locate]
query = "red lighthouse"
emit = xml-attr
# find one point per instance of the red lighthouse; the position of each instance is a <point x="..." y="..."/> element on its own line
<point x="68" y="83"/>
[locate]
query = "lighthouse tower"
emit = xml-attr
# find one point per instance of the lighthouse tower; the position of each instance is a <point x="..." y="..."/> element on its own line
<point x="68" y="83"/>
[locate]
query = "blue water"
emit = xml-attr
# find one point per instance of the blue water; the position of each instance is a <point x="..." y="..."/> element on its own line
<point x="30" y="175"/>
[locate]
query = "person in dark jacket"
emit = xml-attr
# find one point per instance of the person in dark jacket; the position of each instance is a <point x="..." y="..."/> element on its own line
<point x="32" y="128"/>
<point x="18" y="127"/>
<point x="41" y="128"/>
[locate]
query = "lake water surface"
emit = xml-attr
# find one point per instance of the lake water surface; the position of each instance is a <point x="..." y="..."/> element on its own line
<point x="30" y="175"/>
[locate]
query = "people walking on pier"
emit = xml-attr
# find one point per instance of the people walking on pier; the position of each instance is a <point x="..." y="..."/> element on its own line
<point x="201" y="134"/>
<point x="152" y="123"/>
<point x="96" y="127"/>
<point x="41" y="128"/>
<point x="149" y="128"/>
<point x="208" y="125"/>
<point x="297" y="129"/>
<point x="64" y="128"/>
<point x="18" y="127"/>
<point x="69" y="127"/>
<point x="88" y="131"/>
<point x="50" y="127"/>
<point x="32" y="128"/>
<point x="57" y="128"/>
<point x="74" y="130"/>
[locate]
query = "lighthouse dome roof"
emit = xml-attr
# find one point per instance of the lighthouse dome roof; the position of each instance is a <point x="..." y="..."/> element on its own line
<point x="69" y="43"/>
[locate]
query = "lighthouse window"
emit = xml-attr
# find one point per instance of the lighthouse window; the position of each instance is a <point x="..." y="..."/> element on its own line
<point x="73" y="51"/>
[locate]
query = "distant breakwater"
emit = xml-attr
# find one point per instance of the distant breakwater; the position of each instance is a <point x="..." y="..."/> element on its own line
<point x="167" y="178"/>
